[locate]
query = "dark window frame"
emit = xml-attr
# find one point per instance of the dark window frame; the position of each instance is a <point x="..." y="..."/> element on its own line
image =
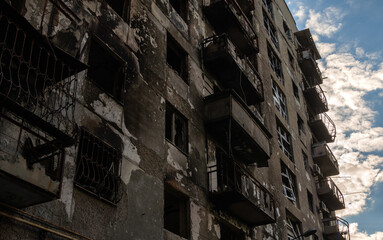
<point x="275" y="63"/>
<point x="289" y="185"/>
<point x="301" y="126"/>
<point x="176" y="212"/>
<point x="103" y="67"/>
<point x="172" y="115"/>
<point x="270" y="29"/>
<point x="310" y="201"/>
<point x="279" y="99"/>
<point x="229" y="232"/>
<point x="181" y="7"/>
<point x="121" y="7"/>
<point x="177" y="58"/>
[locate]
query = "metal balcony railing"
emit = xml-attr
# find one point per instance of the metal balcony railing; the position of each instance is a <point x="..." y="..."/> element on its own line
<point x="309" y="66"/>
<point x="219" y="21"/>
<point x="323" y="155"/>
<point x="327" y="187"/>
<point x="336" y="228"/>
<point x="316" y="99"/>
<point x="220" y="47"/>
<point x="228" y="176"/>
<point x="37" y="81"/>
<point x="328" y="124"/>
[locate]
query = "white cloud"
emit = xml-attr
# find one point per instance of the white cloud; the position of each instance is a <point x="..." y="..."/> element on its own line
<point x="356" y="234"/>
<point x="324" y="23"/>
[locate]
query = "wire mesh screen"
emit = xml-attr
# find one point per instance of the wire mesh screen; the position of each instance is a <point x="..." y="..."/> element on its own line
<point x="35" y="84"/>
<point x="98" y="168"/>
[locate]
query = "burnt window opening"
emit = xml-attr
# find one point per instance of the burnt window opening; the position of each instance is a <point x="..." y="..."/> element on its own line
<point x="279" y="99"/>
<point x="275" y="63"/>
<point x="269" y="6"/>
<point x="310" y="200"/>
<point x="289" y="184"/>
<point x="284" y="141"/>
<point x="176" y="129"/>
<point x="293" y="228"/>
<point x="291" y="60"/>
<point x="106" y="70"/>
<point x="177" y="58"/>
<point x="301" y="126"/>
<point x="306" y="161"/>
<point x="287" y="31"/>
<point x="271" y="30"/>
<point x="181" y="7"/>
<point x="176" y="212"/>
<point x="98" y="168"/>
<point x="121" y="7"/>
<point x="229" y="232"/>
<point x="295" y="90"/>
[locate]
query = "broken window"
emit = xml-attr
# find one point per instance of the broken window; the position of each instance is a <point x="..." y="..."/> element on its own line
<point x="98" y="167"/>
<point x="310" y="201"/>
<point x="289" y="184"/>
<point x="275" y="63"/>
<point x="269" y="6"/>
<point x="291" y="60"/>
<point x="287" y="31"/>
<point x="295" y="90"/>
<point x="176" y="130"/>
<point x="180" y="6"/>
<point x="271" y="30"/>
<point x="229" y="232"/>
<point x="293" y="228"/>
<point x="280" y="101"/>
<point x="284" y="141"/>
<point x="301" y="126"/>
<point x="106" y="69"/>
<point x="120" y="7"/>
<point x="177" y="58"/>
<point x="176" y="212"/>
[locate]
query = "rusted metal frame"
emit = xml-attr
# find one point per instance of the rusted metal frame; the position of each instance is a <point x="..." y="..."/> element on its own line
<point x="330" y="125"/>
<point x="333" y="187"/>
<point x="331" y="155"/>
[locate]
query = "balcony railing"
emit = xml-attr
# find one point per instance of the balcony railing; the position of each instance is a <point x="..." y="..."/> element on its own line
<point x="236" y="129"/>
<point x="309" y="67"/>
<point x="221" y="58"/>
<point x="234" y="189"/>
<point x="325" y="159"/>
<point x="330" y="194"/>
<point x="316" y="99"/>
<point x="37" y="99"/>
<point x="336" y="229"/>
<point x="227" y="16"/>
<point x="323" y="128"/>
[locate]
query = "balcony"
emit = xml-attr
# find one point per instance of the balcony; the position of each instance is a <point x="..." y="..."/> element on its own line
<point x="221" y="59"/>
<point x="325" y="159"/>
<point x="228" y="16"/>
<point x="37" y="99"/>
<point x="316" y="99"/>
<point x="336" y="229"/>
<point x="235" y="128"/>
<point x="330" y="194"/>
<point x="323" y="128"/>
<point x="233" y="189"/>
<point x="309" y="67"/>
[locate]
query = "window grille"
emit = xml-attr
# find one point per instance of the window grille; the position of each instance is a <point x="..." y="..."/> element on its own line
<point x="284" y="141"/>
<point x="98" y="168"/>
<point x="280" y="101"/>
<point x="269" y="6"/>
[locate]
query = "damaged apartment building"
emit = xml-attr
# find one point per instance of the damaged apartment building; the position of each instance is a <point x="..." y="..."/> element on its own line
<point x="163" y="119"/>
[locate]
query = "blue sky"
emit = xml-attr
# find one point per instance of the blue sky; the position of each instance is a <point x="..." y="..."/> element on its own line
<point x="349" y="36"/>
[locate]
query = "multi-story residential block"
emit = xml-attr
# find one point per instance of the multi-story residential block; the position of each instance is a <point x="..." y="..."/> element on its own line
<point x="163" y="119"/>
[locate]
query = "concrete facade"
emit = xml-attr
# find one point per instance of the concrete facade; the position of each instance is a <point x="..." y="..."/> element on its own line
<point x="155" y="118"/>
